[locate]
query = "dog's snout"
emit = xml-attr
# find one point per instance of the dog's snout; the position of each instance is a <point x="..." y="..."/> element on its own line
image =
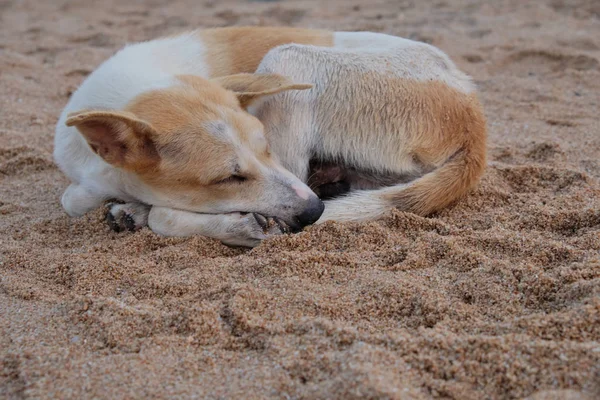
<point x="312" y="212"/>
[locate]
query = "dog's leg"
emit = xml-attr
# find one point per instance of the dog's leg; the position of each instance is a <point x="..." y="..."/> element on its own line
<point x="128" y="216"/>
<point x="235" y="229"/>
<point x="76" y="200"/>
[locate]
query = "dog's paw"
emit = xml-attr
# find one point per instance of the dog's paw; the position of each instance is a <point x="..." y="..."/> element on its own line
<point x="249" y="229"/>
<point x="271" y="225"/>
<point x="127" y="217"/>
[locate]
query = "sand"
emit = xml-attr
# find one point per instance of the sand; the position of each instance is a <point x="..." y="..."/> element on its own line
<point x="497" y="297"/>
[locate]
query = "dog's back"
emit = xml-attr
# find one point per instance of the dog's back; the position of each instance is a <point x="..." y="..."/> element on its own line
<point x="385" y="105"/>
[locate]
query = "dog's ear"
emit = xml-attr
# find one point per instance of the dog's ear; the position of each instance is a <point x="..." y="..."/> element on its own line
<point x="119" y="137"/>
<point x="249" y="87"/>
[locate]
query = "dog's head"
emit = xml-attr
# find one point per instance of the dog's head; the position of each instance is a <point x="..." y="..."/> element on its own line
<point x="197" y="149"/>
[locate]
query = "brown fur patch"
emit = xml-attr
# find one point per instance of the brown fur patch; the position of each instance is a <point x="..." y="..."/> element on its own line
<point x="193" y="156"/>
<point x="179" y="115"/>
<point x="450" y="125"/>
<point x="241" y="49"/>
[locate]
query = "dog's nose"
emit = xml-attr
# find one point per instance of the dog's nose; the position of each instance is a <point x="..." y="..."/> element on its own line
<point x="312" y="212"/>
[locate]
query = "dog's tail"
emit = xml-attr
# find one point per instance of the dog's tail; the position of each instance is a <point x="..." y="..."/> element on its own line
<point x="425" y="195"/>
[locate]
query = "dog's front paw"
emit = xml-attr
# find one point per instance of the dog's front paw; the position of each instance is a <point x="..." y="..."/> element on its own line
<point x="127" y="217"/>
<point x="250" y="229"/>
<point x="271" y="225"/>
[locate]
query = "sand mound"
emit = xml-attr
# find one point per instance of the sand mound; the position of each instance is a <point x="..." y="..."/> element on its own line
<point x="495" y="297"/>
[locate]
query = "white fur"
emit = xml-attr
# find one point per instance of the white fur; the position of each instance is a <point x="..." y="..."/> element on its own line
<point x="235" y="229"/>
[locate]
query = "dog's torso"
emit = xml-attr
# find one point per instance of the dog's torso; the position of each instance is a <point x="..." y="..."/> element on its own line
<point x="385" y="109"/>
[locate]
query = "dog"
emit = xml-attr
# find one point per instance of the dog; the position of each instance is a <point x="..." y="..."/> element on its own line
<point x="232" y="132"/>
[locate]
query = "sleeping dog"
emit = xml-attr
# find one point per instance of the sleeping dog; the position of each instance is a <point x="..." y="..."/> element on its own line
<point x="234" y="133"/>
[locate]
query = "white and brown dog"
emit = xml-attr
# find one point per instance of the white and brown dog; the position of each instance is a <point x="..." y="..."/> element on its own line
<point x="229" y="133"/>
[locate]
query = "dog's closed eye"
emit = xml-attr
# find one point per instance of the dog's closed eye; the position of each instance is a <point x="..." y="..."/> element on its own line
<point x="232" y="179"/>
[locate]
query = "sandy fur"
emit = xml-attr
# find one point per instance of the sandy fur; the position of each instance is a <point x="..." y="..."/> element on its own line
<point x="241" y="49"/>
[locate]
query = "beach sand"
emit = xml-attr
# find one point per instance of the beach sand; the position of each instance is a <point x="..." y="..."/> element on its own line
<point x="495" y="297"/>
